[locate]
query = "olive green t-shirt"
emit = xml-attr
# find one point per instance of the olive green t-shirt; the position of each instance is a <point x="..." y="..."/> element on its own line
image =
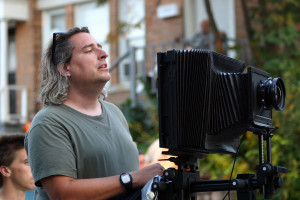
<point x="63" y="141"/>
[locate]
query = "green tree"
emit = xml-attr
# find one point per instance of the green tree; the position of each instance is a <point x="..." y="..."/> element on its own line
<point x="273" y="32"/>
<point x="143" y="118"/>
<point x="275" y="43"/>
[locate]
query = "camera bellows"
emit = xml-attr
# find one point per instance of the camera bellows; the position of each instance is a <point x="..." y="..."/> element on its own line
<point x="206" y="101"/>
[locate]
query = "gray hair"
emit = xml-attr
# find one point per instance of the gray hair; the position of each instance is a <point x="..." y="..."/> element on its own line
<point x="54" y="86"/>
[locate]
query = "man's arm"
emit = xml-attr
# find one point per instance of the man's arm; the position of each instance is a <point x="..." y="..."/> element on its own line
<point x="63" y="187"/>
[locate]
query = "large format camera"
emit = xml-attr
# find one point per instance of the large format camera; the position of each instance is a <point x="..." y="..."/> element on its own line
<point x="206" y="102"/>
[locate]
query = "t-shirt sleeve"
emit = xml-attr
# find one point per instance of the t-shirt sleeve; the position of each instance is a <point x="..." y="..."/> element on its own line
<point x="50" y="152"/>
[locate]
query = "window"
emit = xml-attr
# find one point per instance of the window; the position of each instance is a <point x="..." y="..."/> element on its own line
<point x="131" y="12"/>
<point x="12" y="67"/>
<point x="96" y="18"/>
<point x="53" y="20"/>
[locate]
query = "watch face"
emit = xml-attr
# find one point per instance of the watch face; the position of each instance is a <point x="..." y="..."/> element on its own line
<point x="125" y="178"/>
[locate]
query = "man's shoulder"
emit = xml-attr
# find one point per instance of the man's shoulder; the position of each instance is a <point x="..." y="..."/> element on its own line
<point x="111" y="108"/>
<point x="108" y="104"/>
<point x="49" y="113"/>
<point x="50" y="109"/>
<point x="197" y="34"/>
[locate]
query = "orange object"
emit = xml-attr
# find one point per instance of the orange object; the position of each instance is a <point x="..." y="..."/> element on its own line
<point x="26" y="127"/>
<point x="142" y="160"/>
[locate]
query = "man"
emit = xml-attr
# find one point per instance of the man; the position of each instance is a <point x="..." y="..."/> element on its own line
<point x="78" y="145"/>
<point x="205" y="39"/>
<point x="15" y="174"/>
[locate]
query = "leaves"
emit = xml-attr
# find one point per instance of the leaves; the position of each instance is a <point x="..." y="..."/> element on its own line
<point x="275" y="43"/>
<point x="143" y="118"/>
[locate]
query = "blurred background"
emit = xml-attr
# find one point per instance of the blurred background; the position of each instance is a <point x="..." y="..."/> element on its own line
<point x="265" y="34"/>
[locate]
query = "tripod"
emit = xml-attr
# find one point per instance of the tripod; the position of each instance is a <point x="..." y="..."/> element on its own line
<point x="184" y="183"/>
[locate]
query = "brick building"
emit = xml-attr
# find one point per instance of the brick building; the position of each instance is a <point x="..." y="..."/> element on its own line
<point x="27" y="25"/>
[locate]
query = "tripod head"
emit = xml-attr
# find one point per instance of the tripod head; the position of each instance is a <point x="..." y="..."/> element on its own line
<point x="268" y="175"/>
<point x="184" y="183"/>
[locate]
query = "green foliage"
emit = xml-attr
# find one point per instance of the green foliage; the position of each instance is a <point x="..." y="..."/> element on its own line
<point x="275" y="43"/>
<point x="101" y="2"/>
<point x="274" y="38"/>
<point x="277" y="50"/>
<point x="286" y="147"/>
<point x="142" y="119"/>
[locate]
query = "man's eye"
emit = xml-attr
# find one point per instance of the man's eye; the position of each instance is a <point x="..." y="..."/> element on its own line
<point x="90" y="51"/>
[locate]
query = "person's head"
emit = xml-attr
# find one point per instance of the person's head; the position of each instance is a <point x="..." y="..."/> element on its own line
<point x="55" y="83"/>
<point x="205" y="26"/>
<point x="14" y="163"/>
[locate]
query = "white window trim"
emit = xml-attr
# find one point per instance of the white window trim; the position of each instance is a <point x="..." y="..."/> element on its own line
<point x="46" y="30"/>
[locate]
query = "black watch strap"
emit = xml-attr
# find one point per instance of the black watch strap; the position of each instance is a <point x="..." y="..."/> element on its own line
<point x="126" y="181"/>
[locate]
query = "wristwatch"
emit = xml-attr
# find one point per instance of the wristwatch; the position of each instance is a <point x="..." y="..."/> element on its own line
<point x="126" y="181"/>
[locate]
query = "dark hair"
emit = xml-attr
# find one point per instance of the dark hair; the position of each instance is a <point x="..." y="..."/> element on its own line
<point x="9" y="144"/>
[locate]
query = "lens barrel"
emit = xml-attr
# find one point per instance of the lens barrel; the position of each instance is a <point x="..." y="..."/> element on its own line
<point x="272" y="93"/>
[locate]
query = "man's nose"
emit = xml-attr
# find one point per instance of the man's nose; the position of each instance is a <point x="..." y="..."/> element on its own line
<point x="102" y="54"/>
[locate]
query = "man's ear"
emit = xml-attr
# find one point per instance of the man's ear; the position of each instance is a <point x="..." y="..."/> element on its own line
<point x="64" y="69"/>
<point x="5" y="171"/>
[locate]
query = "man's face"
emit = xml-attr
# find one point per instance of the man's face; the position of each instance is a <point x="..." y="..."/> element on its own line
<point x="88" y="65"/>
<point x="205" y="27"/>
<point x="20" y="171"/>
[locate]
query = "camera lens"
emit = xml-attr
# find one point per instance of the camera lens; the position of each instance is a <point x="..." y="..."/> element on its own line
<point x="277" y="94"/>
<point x="272" y="93"/>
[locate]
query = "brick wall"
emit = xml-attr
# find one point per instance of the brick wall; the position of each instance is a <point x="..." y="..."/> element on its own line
<point x="28" y="49"/>
<point x="162" y="30"/>
<point x="118" y="98"/>
<point x="69" y="16"/>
